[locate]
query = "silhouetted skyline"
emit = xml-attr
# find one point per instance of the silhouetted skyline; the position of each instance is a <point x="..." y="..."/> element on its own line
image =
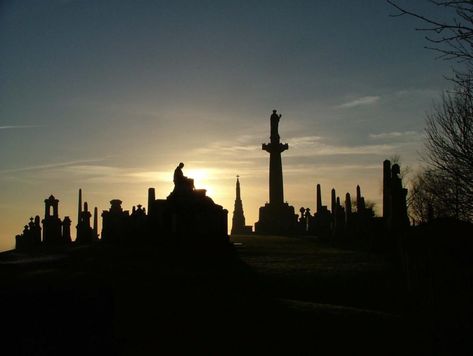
<point x="108" y="97"/>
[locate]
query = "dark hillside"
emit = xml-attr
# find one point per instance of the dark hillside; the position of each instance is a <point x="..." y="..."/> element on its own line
<point x="283" y="295"/>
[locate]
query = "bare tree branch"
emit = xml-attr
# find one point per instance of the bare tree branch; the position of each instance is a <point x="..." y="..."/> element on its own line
<point x="454" y="39"/>
<point x="446" y="185"/>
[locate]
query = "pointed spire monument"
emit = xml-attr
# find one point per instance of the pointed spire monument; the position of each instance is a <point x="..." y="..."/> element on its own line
<point x="276" y="217"/>
<point x="238" y="221"/>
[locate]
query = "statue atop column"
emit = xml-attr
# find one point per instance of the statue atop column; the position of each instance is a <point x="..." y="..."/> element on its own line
<point x="274" y="126"/>
<point x="275" y="148"/>
<point x="276" y="216"/>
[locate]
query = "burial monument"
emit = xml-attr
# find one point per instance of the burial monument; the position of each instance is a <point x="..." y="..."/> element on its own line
<point x="276" y="217"/>
<point x="239" y="226"/>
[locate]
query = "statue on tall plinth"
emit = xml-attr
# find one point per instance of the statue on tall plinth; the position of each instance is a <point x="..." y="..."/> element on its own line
<point x="276" y="217"/>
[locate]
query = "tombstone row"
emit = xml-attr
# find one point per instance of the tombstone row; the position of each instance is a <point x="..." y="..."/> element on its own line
<point x="350" y="219"/>
<point x="182" y="215"/>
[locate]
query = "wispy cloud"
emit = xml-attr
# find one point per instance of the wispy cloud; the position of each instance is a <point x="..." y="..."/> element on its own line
<point x="393" y="134"/>
<point x="419" y="92"/>
<point x="299" y="146"/>
<point x="14" y="127"/>
<point x="94" y="172"/>
<point x="304" y="141"/>
<point x="100" y="174"/>
<point x="311" y="146"/>
<point x="321" y="149"/>
<point x="334" y="167"/>
<point x="50" y="165"/>
<point x="227" y="150"/>
<point x="365" y="100"/>
<point x="242" y="145"/>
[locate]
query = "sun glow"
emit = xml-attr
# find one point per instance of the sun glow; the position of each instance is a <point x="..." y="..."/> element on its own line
<point x="202" y="179"/>
<point x="198" y="175"/>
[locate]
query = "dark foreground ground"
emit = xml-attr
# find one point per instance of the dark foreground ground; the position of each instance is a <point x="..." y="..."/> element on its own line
<point x="267" y="295"/>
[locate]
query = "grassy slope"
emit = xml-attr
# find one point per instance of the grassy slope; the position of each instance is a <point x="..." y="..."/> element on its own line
<point x="273" y="295"/>
<point x="304" y="269"/>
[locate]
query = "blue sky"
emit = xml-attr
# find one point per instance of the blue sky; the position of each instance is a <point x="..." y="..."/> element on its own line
<point x="109" y="96"/>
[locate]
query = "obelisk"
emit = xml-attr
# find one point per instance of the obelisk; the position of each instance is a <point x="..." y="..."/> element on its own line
<point x="319" y="199"/>
<point x="79" y="207"/>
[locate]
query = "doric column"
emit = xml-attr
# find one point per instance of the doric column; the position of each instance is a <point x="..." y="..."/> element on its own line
<point x="275" y="148"/>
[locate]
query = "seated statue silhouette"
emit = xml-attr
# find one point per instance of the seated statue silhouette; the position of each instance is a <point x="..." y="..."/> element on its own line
<point x="182" y="184"/>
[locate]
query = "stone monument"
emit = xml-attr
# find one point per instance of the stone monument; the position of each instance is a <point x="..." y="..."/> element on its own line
<point x="277" y="216"/>
<point x="239" y="226"/>
<point x="187" y="216"/>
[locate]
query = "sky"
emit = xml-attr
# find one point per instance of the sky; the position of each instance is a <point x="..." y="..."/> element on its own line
<point x="109" y="96"/>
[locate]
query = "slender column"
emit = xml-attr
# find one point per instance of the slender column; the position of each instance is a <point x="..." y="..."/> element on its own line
<point x="347" y="207"/>
<point x="386" y="188"/>
<point x="96" y="223"/>
<point x="334" y="202"/>
<point x="151" y="198"/>
<point x="319" y="199"/>
<point x="79" y="208"/>
<point x="358" y="199"/>
<point x="275" y="148"/>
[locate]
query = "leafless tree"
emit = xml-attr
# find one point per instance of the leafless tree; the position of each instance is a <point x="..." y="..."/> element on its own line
<point x="448" y="180"/>
<point x="445" y="187"/>
<point x="452" y="39"/>
<point x="433" y="194"/>
<point x="420" y="201"/>
<point x="449" y="145"/>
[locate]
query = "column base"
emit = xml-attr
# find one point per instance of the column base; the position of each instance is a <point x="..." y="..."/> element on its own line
<point x="277" y="219"/>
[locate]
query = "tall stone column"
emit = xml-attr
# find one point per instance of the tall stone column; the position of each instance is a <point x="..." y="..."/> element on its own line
<point x="333" y="202"/>
<point x="79" y="207"/>
<point x="95" y="229"/>
<point x="359" y="205"/>
<point x="319" y="199"/>
<point x="276" y="217"/>
<point x="151" y="198"/>
<point x="386" y="189"/>
<point x="275" y="148"/>
<point x="347" y="207"/>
